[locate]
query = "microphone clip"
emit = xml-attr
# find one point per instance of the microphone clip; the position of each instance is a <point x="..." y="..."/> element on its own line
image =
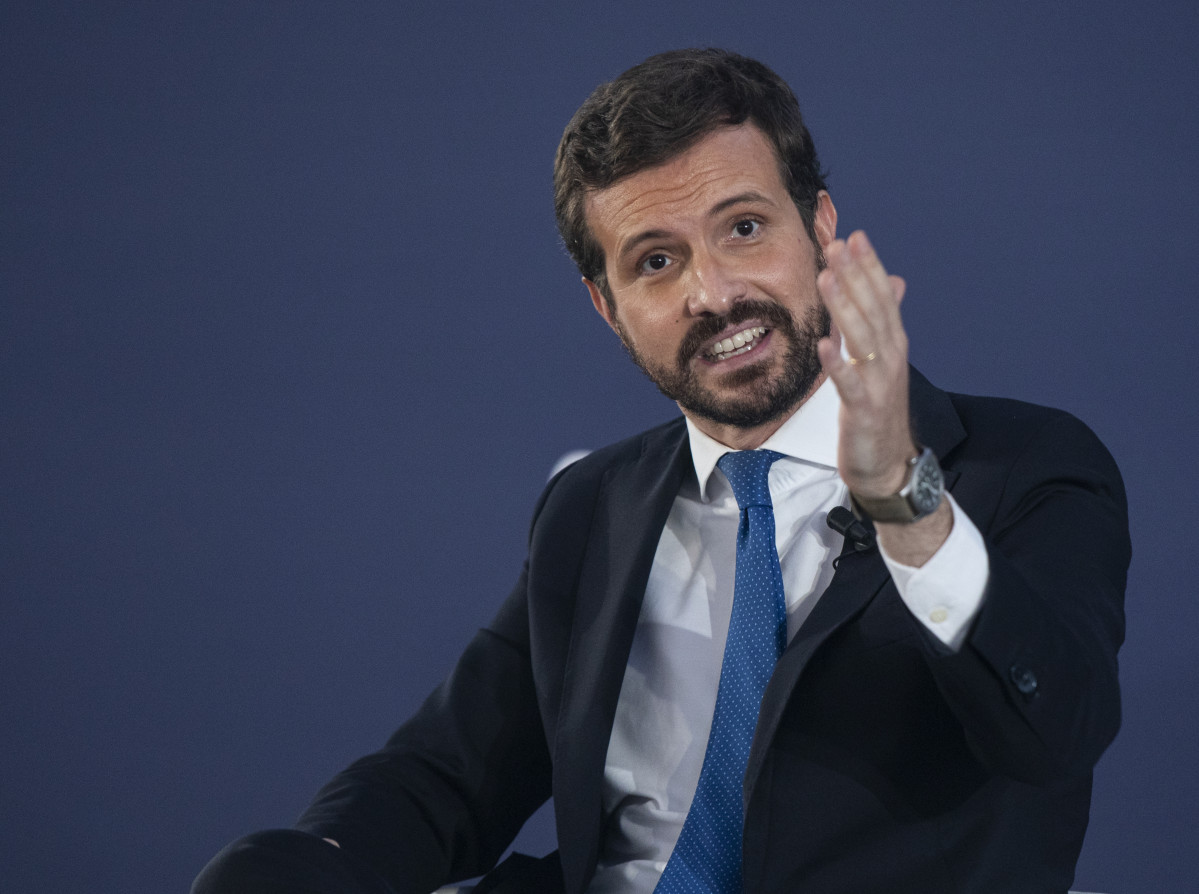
<point x="847" y="525"/>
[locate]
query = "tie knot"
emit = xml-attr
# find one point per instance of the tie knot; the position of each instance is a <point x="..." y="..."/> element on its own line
<point x="748" y="472"/>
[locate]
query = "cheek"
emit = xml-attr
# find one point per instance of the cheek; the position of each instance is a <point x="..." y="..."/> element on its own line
<point x="656" y="318"/>
<point x="792" y="275"/>
<point x="653" y="321"/>
<point x="780" y="277"/>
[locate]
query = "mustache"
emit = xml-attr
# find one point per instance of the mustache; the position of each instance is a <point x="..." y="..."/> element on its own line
<point x="707" y="328"/>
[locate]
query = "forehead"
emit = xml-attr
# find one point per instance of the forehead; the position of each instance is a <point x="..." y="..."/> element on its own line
<point x="727" y="162"/>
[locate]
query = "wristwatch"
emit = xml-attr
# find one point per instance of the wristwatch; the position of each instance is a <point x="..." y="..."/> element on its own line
<point x="919" y="497"/>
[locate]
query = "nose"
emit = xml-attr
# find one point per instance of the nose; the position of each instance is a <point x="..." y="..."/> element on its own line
<point x="714" y="284"/>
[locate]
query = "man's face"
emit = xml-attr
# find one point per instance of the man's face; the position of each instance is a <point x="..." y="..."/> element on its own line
<point x="713" y="279"/>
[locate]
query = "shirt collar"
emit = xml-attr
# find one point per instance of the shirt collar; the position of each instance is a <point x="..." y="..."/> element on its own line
<point x="809" y="435"/>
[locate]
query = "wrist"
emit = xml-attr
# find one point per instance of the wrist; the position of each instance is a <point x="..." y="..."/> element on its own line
<point x="918" y="496"/>
<point x="891" y="481"/>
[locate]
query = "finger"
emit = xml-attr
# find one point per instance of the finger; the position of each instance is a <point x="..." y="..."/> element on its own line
<point x="856" y="319"/>
<point x="846" y="316"/>
<point x="862" y="251"/>
<point x="898" y="286"/>
<point x="860" y="299"/>
<point x="875" y="285"/>
<point x="845" y="377"/>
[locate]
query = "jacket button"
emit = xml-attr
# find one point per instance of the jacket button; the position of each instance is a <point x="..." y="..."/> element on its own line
<point x="1024" y="680"/>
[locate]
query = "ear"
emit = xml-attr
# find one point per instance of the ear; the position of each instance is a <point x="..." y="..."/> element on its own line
<point x="600" y="303"/>
<point x="825" y="221"/>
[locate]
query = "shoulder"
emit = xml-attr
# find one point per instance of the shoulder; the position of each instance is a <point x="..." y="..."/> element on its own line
<point x="1001" y="454"/>
<point x="1018" y="430"/>
<point x="654" y="445"/>
<point x="1017" y="456"/>
<point x="625" y="465"/>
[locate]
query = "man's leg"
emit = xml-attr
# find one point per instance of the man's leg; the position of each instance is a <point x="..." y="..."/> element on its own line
<point x="286" y="861"/>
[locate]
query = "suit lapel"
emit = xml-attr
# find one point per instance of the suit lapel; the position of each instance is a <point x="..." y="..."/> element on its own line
<point x="858" y="579"/>
<point x="631" y="510"/>
<point x="934" y="419"/>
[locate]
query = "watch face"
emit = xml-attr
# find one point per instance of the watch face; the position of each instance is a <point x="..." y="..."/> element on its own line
<point x="927" y="486"/>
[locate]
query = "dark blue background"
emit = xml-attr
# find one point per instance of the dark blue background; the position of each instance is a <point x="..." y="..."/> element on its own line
<point x="289" y="346"/>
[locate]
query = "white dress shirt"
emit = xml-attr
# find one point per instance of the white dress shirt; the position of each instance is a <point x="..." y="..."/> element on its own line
<point x="664" y="712"/>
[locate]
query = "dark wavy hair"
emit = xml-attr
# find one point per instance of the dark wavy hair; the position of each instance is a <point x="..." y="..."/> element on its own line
<point x="661" y="108"/>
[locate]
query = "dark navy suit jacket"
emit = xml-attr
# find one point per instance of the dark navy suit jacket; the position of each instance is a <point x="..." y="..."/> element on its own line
<point x="881" y="763"/>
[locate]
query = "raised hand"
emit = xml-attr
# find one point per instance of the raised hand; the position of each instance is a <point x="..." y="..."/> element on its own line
<point x="871" y="376"/>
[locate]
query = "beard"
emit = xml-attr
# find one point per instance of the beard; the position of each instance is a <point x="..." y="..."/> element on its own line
<point x="760" y="396"/>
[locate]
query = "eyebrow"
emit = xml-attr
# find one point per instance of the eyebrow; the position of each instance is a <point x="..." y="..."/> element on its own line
<point x="646" y="236"/>
<point x="745" y="198"/>
<point x="752" y="197"/>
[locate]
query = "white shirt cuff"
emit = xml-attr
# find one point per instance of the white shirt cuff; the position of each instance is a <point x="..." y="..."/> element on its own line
<point x="946" y="592"/>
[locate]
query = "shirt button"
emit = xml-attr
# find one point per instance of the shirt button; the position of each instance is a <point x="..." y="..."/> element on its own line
<point x="938" y="615"/>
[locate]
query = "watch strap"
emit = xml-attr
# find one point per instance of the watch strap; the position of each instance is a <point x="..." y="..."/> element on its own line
<point x="919" y="497"/>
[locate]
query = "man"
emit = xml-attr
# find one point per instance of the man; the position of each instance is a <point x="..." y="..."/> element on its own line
<point x="720" y="692"/>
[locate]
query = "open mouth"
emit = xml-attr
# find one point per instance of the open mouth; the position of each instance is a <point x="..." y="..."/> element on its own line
<point x="738" y="343"/>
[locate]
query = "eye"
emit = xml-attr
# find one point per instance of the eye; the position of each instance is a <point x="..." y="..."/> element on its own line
<point x="654" y="263"/>
<point x="746" y="228"/>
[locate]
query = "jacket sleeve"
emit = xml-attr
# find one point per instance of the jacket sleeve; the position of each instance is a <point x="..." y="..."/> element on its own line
<point x="1035" y="685"/>
<point x="451" y="788"/>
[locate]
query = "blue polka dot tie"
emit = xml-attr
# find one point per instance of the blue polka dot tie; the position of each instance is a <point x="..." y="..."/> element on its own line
<point x="707" y="856"/>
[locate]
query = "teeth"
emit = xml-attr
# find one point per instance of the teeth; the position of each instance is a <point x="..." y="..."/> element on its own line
<point x="736" y="344"/>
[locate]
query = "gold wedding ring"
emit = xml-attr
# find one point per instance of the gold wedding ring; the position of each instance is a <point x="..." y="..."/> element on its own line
<point x="854" y="361"/>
